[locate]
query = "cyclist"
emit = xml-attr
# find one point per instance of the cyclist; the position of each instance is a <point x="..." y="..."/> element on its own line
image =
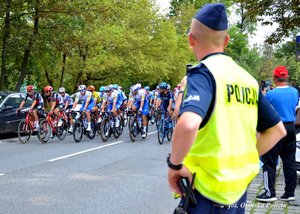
<point x="37" y="104"/>
<point x="164" y="99"/>
<point x="130" y="100"/>
<point x="121" y="96"/>
<point x="68" y="103"/>
<point x="114" y="102"/>
<point x="54" y="99"/>
<point x="87" y="100"/>
<point x="101" y="93"/>
<point x="141" y="103"/>
<point x="96" y="97"/>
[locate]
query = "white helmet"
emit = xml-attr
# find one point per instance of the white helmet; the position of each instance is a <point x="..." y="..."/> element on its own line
<point x="135" y="87"/>
<point x="61" y="90"/>
<point x="81" y="87"/>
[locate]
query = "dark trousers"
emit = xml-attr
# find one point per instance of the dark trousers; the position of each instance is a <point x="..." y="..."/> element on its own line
<point x="286" y="148"/>
<point x="206" y="206"/>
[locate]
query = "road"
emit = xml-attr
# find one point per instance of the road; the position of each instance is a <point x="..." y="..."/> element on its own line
<point x="87" y="177"/>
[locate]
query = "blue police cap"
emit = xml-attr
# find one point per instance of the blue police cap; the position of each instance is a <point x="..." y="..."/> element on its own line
<point x="213" y="16"/>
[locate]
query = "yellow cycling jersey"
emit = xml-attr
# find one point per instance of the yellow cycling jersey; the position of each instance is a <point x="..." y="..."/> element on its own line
<point x="96" y="96"/>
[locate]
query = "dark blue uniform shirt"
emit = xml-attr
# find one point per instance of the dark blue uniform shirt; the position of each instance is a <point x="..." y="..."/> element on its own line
<point x="201" y="82"/>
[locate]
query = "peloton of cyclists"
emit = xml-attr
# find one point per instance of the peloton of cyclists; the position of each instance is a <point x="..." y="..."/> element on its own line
<point x="37" y="104"/>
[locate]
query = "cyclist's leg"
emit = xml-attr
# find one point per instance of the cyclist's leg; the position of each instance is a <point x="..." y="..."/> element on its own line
<point x="145" y="112"/>
<point x="117" y="113"/>
<point x="35" y="118"/>
<point x="88" y="115"/>
<point x="70" y="119"/>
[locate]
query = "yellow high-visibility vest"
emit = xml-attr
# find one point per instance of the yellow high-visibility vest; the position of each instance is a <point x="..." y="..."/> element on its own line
<point x="224" y="154"/>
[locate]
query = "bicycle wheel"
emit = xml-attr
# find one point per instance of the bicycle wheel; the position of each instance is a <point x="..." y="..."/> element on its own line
<point x="161" y="131"/>
<point x="24" y="131"/>
<point x="91" y="134"/>
<point x="132" y="125"/>
<point x="78" y="131"/>
<point x="61" y="129"/>
<point x="121" y="127"/>
<point x="125" y="119"/>
<point x="105" y="130"/>
<point x="115" y="131"/>
<point x="157" y="120"/>
<point x="44" y="132"/>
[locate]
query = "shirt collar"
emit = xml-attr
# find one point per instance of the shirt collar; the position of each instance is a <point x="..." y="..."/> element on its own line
<point x="211" y="54"/>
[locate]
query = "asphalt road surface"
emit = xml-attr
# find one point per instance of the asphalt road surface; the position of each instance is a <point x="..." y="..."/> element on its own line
<point x="88" y="177"/>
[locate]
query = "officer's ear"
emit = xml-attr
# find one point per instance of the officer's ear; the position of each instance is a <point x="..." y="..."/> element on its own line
<point x="192" y="40"/>
<point x="227" y="38"/>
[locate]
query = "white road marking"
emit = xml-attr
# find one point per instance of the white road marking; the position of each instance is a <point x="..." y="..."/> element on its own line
<point x="152" y="132"/>
<point x="85" y="151"/>
<point x="1" y="174"/>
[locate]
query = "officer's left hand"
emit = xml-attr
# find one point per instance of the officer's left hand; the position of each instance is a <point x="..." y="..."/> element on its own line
<point x="175" y="175"/>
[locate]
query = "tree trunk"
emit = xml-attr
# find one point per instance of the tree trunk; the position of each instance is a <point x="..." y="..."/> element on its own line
<point x="48" y="78"/>
<point x="83" y="55"/>
<point x="6" y="31"/>
<point x="77" y="81"/>
<point x="63" y="70"/>
<point x="28" y="48"/>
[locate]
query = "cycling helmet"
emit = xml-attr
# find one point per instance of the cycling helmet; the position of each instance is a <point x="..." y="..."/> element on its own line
<point x="61" y="90"/>
<point x="135" y="88"/>
<point x="48" y="88"/>
<point x="108" y="89"/>
<point x="29" y="88"/>
<point x="168" y="87"/>
<point x="147" y="88"/>
<point x="115" y="86"/>
<point x="82" y="88"/>
<point x="102" y="88"/>
<point x="163" y="85"/>
<point x="91" y="88"/>
<point x="131" y="87"/>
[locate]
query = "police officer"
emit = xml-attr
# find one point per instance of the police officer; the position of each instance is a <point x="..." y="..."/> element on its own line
<point x="221" y="112"/>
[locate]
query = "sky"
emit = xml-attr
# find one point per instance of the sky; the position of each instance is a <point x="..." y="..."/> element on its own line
<point x="261" y="34"/>
<point x="164" y="4"/>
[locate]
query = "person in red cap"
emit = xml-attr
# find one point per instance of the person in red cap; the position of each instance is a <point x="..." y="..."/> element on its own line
<point x="284" y="99"/>
<point x="215" y="145"/>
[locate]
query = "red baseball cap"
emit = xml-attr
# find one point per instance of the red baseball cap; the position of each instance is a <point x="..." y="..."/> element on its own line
<point x="281" y="72"/>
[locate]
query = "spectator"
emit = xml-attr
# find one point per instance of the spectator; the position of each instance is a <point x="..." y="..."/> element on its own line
<point x="284" y="99"/>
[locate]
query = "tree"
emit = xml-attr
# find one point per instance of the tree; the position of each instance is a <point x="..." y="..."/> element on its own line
<point x="6" y="32"/>
<point x="285" y="13"/>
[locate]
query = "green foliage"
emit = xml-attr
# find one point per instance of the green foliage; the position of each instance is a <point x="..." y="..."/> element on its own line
<point x="285" y="13"/>
<point x="115" y="41"/>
